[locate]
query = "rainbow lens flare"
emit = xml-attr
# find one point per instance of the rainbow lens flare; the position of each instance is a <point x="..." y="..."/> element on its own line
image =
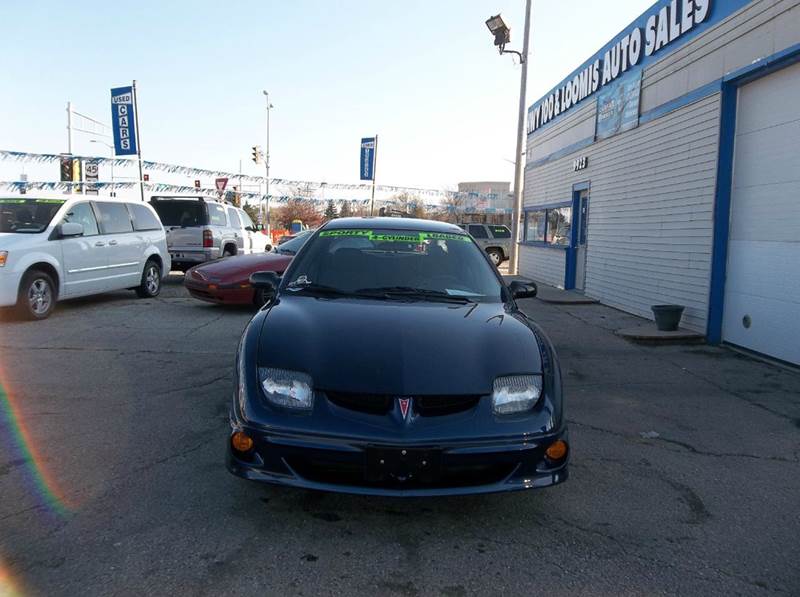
<point x="8" y="588"/>
<point x="13" y="431"/>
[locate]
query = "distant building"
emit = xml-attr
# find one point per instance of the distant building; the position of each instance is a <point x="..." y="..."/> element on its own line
<point x="487" y="201"/>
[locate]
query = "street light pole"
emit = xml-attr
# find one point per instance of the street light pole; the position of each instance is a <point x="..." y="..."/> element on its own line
<point x="266" y="162"/>
<point x="513" y="265"/>
<point x="502" y="36"/>
<point x="69" y="128"/>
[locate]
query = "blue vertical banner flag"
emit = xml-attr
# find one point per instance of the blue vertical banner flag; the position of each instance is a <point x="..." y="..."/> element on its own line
<point x="368" y="158"/>
<point x="123" y="121"/>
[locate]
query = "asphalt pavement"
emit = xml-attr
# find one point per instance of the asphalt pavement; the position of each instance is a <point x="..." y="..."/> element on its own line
<point x="685" y="475"/>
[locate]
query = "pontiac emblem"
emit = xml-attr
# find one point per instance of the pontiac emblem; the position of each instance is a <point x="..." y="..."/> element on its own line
<point x="404" y="404"/>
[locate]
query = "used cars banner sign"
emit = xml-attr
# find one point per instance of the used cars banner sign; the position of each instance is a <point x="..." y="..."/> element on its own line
<point x="368" y="158"/>
<point x="123" y="121"/>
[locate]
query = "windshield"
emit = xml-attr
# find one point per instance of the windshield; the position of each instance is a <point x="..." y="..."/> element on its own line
<point x="180" y="212"/>
<point x="27" y="215"/>
<point x="291" y="247"/>
<point x="395" y="264"/>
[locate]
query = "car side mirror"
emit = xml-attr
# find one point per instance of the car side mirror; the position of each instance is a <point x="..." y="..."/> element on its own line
<point x="268" y="247"/>
<point x="266" y="281"/>
<point x="521" y="290"/>
<point x="69" y="229"/>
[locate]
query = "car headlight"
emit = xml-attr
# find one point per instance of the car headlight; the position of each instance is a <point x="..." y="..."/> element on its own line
<point x="289" y="389"/>
<point x="516" y="393"/>
<point x="3" y="257"/>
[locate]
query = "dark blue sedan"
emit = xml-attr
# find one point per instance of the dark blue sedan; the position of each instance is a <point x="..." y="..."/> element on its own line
<point x="392" y="359"/>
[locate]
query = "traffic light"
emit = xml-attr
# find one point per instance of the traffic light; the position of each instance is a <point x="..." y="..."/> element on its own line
<point x="256" y="154"/>
<point x="66" y="168"/>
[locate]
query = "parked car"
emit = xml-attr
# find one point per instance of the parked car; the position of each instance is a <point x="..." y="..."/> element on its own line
<point x="201" y="229"/>
<point x="53" y="249"/>
<point x="495" y="240"/>
<point x="287" y="237"/>
<point x="227" y="281"/>
<point x="392" y="359"/>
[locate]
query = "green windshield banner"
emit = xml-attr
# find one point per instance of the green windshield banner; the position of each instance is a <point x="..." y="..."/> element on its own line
<point x="402" y="237"/>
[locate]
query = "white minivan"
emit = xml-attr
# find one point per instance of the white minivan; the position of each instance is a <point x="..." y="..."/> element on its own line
<point x="53" y="249"/>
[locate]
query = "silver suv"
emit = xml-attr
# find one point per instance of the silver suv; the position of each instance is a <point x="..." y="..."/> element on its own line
<point x="201" y="229"/>
<point x="495" y="240"/>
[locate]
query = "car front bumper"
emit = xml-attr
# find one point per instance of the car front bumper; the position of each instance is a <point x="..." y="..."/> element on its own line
<point x="9" y="287"/>
<point x="457" y="467"/>
<point x="221" y="294"/>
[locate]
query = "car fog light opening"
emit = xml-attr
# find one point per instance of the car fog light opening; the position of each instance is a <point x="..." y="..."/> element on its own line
<point x="557" y="451"/>
<point x="516" y="393"/>
<point x="289" y="389"/>
<point x="241" y="442"/>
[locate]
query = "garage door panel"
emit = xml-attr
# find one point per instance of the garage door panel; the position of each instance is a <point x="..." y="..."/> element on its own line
<point x="768" y="156"/>
<point x="769" y="101"/>
<point x="766" y="333"/>
<point x="762" y="286"/>
<point x="759" y="213"/>
<point x="766" y="270"/>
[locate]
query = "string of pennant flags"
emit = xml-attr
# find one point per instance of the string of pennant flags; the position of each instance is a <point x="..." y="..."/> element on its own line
<point x="17" y="186"/>
<point x="309" y="186"/>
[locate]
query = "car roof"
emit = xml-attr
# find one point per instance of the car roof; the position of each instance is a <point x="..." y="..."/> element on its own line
<point x="392" y="224"/>
<point x="75" y="197"/>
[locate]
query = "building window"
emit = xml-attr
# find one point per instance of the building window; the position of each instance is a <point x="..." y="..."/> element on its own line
<point x="551" y="226"/>
<point x="535" y="226"/>
<point x="559" y="226"/>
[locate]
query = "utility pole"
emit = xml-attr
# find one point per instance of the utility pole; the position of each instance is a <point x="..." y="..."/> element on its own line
<point x="513" y="265"/>
<point x="111" y="161"/>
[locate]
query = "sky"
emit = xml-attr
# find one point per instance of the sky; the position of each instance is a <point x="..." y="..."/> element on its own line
<point x="422" y="74"/>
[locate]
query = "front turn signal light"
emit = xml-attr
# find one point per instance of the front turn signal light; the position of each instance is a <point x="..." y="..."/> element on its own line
<point x="241" y="442"/>
<point x="557" y="450"/>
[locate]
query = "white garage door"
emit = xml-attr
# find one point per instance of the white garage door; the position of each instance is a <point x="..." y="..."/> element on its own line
<point x="762" y="289"/>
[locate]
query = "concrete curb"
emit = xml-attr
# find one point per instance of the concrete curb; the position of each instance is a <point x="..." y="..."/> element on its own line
<point x="650" y="335"/>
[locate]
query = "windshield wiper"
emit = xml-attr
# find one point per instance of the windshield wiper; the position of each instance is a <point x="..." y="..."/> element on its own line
<point x="317" y="289"/>
<point x="414" y="293"/>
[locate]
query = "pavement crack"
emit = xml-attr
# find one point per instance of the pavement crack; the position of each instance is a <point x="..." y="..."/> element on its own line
<point x="205" y="325"/>
<point x="686" y="446"/>
<point x="196" y="386"/>
<point x="730" y="392"/>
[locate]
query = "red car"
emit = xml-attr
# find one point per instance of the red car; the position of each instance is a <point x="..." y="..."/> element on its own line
<point x="227" y="281"/>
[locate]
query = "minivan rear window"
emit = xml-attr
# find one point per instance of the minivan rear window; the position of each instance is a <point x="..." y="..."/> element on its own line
<point x="181" y="212"/>
<point x="143" y="218"/>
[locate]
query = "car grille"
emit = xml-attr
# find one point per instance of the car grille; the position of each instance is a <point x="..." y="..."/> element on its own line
<point x="456" y="474"/>
<point x="436" y="406"/>
<point x="425" y="406"/>
<point x="372" y="404"/>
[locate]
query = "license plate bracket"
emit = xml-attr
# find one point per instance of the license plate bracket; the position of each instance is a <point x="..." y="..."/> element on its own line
<point x="403" y="465"/>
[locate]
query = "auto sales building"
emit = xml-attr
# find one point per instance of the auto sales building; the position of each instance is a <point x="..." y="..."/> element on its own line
<point x="666" y="170"/>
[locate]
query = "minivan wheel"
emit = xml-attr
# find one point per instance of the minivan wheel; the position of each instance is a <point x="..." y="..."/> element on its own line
<point x="37" y="295"/>
<point x="495" y="255"/>
<point x="151" y="280"/>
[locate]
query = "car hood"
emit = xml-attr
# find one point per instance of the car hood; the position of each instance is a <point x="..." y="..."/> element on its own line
<point x="400" y="348"/>
<point x="10" y="240"/>
<point x="239" y="267"/>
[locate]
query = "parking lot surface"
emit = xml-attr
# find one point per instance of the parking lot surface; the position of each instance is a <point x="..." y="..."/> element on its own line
<point x="685" y="474"/>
